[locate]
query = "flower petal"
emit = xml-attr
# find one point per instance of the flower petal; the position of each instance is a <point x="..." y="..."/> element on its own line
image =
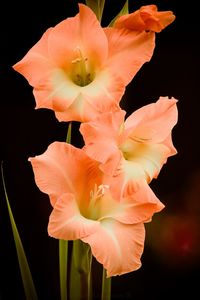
<point x="168" y="143"/>
<point x="105" y="92"/>
<point x="101" y="137"/>
<point x="64" y="169"/>
<point x="93" y="131"/>
<point x="135" y="207"/>
<point x="73" y="33"/>
<point x="36" y="64"/>
<point x="86" y="103"/>
<point x="66" y="221"/>
<point x="111" y="165"/>
<point x="146" y="18"/>
<point x="79" y="110"/>
<point x="64" y="91"/>
<point x="122" y="246"/>
<point x="153" y="122"/>
<point x="145" y="164"/>
<point x="128" y="51"/>
<point x="42" y="92"/>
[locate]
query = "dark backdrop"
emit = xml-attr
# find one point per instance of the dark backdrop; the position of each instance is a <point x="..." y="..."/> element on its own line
<point x="171" y="259"/>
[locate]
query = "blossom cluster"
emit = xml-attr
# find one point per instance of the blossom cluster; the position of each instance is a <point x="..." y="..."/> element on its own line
<point x="100" y="194"/>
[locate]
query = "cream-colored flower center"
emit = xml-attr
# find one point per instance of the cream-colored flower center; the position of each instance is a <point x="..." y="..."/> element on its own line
<point x="82" y="72"/>
<point x="95" y="198"/>
<point x="133" y="148"/>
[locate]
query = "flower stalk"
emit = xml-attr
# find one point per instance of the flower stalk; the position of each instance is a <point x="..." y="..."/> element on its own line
<point x="63" y="246"/>
<point x="63" y="262"/>
<point x="106" y="286"/>
<point x="81" y="271"/>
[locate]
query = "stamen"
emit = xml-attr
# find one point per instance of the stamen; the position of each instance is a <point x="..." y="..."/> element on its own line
<point x="102" y="188"/>
<point x="80" y="70"/>
<point x="97" y="193"/>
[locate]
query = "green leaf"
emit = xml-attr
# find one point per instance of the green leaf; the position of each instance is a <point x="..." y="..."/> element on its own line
<point x="106" y="287"/>
<point x="123" y="11"/>
<point x="29" y="288"/>
<point x="97" y="6"/>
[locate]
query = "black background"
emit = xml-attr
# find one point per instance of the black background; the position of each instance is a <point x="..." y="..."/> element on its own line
<point x="171" y="258"/>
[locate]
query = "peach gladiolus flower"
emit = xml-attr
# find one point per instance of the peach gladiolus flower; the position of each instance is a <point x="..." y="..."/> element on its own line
<point x="146" y="18"/>
<point x="137" y="147"/>
<point x="90" y="206"/>
<point x="79" y="70"/>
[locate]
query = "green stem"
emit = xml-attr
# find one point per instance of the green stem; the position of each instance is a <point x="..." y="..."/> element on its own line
<point x="86" y="280"/>
<point x="90" y="275"/>
<point x="75" y="277"/>
<point x="106" y="287"/>
<point x="80" y="277"/>
<point x="63" y="246"/>
<point x="69" y="133"/>
<point x="63" y="258"/>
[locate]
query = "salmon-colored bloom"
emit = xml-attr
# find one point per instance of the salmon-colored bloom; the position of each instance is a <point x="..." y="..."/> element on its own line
<point x="137" y="147"/>
<point x="146" y="18"/>
<point x="90" y="206"/>
<point x="79" y="70"/>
